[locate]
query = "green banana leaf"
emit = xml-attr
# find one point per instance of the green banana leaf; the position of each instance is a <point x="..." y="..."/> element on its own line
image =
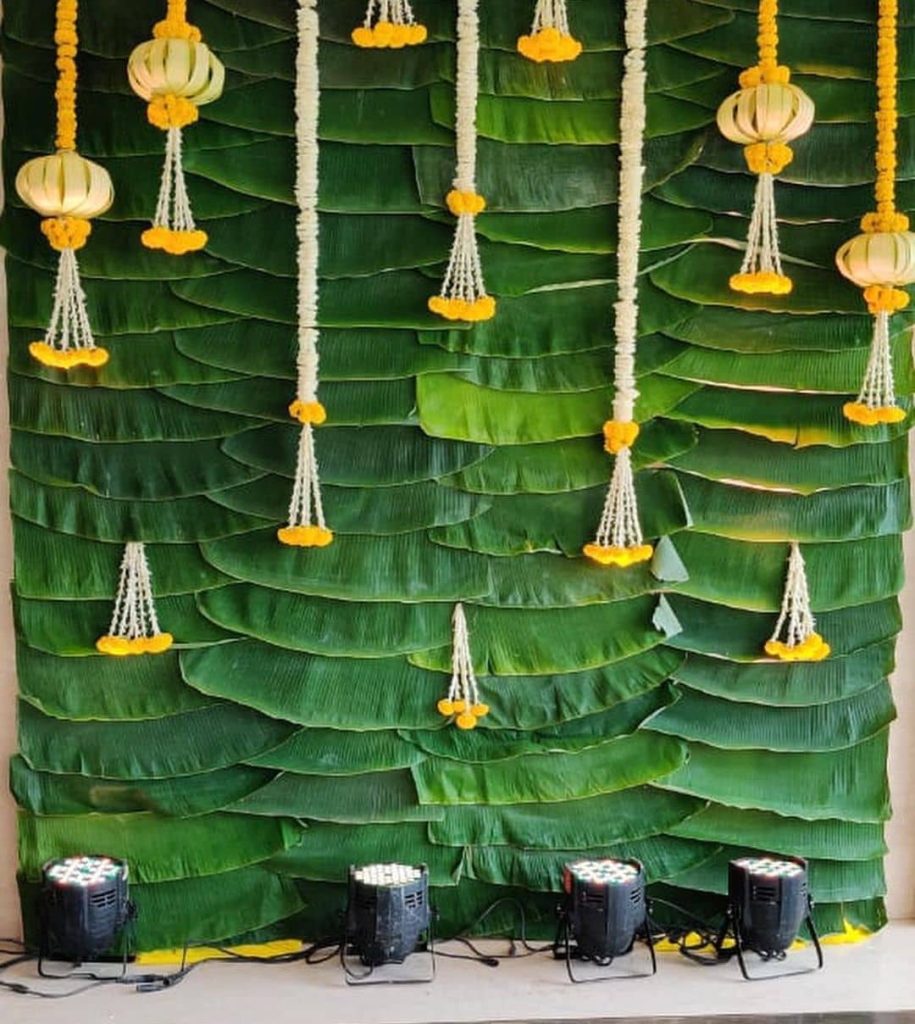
<point x="612" y="766"/>
<point x="332" y="752"/>
<point x="157" y="850"/>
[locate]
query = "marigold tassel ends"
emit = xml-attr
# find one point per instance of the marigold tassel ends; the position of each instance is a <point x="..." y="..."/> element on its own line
<point x="795" y="637"/>
<point x="550" y="38"/>
<point x="619" y="540"/>
<point x="134" y="625"/>
<point x="463" y="702"/>
<point x="306" y="527"/>
<point x="396" y="26"/>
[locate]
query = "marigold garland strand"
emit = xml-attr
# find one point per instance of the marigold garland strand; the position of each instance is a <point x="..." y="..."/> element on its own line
<point x="765" y="115"/>
<point x="68" y="191"/>
<point x="882" y="259"/>
<point x="134" y="625"/>
<point x="619" y="541"/>
<point x="795" y="637"/>
<point x="550" y="38"/>
<point x="306" y="525"/>
<point x="463" y="294"/>
<point x="463" y="704"/>
<point x="394" y="28"/>
<point x="176" y="73"/>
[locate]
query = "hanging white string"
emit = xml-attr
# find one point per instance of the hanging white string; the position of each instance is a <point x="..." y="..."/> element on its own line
<point x="396" y="26"/>
<point x="878" y="389"/>
<point x="463" y="294"/>
<point x="134" y="625"/>
<point x="306" y="524"/>
<point x="463" y="700"/>
<point x="619" y="540"/>
<point x="173" y="209"/>
<point x="550" y="38"/>
<point x="763" y="255"/>
<point x="795" y="637"/>
<point x="68" y="340"/>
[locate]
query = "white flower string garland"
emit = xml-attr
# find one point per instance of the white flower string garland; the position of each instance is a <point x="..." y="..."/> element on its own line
<point x="550" y="38"/>
<point x="463" y="295"/>
<point x="176" y="73"/>
<point x="134" y="625"/>
<point x="68" y="191"/>
<point x="764" y="116"/>
<point x="619" y="540"/>
<point x="795" y="637"/>
<point x="306" y="526"/>
<point x="395" y="27"/>
<point x="463" y="702"/>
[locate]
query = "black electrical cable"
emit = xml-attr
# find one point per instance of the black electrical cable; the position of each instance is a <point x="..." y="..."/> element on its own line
<point x="493" y="960"/>
<point x="710" y="936"/>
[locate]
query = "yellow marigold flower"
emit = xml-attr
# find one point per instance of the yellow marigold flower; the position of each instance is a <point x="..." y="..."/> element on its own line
<point x="308" y="412"/>
<point x="549" y="44"/>
<point x="814" y="648"/>
<point x="176" y="28"/>
<point x="466" y="721"/>
<point x="479" y="710"/>
<point x="445" y="707"/>
<point x="117" y="646"/>
<point x="305" y="536"/>
<point x="176" y="243"/>
<point x="47" y="355"/>
<point x="66" y="232"/>
<point x="619" y="557"/>
<point x="885" y="299"/>
<point x="483" y="308"/>
<point x="465" y="202"/>
<point x="768" y="157"/>
<point x="619" y="434"/>
<point x="171" y="111"/>
<point x="762" y="282"/>
<point x="866" y="416"/>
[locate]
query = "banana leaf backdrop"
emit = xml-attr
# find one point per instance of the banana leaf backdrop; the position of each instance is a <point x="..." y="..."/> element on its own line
<point x="294" y="729"/>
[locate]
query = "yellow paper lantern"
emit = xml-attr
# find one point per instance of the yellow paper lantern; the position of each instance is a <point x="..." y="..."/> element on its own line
<point x="65" y="185"/>
<point x="176" y="67"/>
<point x="776" y="112"/>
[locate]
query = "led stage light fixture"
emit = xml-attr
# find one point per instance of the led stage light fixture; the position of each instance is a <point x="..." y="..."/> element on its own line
<point x="388" y="918"/>
<point x="84" y="908"/>
<point x="604" y="913"/>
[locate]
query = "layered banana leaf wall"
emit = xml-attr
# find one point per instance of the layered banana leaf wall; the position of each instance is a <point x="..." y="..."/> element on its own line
<point x="294" y="729"/>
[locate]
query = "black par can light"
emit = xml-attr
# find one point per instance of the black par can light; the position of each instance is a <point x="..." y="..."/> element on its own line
<point x="604" y="912"/>
<point x="84" y="908"/>
<point x="388" y="917"/>
<point x="768" y="903"/>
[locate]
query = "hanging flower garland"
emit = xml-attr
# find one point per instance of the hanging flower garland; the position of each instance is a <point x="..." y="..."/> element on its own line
<point x="134" y="625"/>
<point x="463" y="295"/>
<point x="306" y="526"/>
<point x="550" y="38"/>
<point x="463" y="701"/>
<point x="68" y="191"/>
<point x="176" y="73"/>
<point x="619" y="540"/>
<point x="795" y="637"/>
<point x="882" y="259"/>
<point x="395" y="27"/>
<point x="764" y="116"/>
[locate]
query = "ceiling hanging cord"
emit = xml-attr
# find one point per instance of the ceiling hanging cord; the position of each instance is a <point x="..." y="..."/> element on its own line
<point x="463" y="702"/>
<point x="306" y="526"/>
<point x="764" y="116"/>
<point x="134" y="625"/>
<point x="395" y="27"/>
<point x="550" y="38"/>
<point x="882" y="259"/>
<point x="463" y="294"/>
<point x="176" y="73"/>
<point x="795" y="637"/>
<point x="619" y="541"/>
<point x="68" y="191"/>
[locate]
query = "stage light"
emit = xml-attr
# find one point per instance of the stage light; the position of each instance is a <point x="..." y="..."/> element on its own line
<point x="388" y="916"/>
<point x="768" y="902"/>
<point x="605" y="911"/>
<point x="84" y="908"/>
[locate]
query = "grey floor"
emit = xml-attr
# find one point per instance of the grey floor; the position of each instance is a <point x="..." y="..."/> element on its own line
<point x="871" y="983"/>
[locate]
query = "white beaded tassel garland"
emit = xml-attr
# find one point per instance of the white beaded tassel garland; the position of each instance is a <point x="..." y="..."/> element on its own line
<point x="134" y="625"/>
<point x="795" y="637"/>
<point x="306" y="525"/>
<point x="463" y="700"/>
<point x="619" y="540"/>
<point x="389" y="24"/>
<point x="463" y="293"/>
<point x="550" y="38"/>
